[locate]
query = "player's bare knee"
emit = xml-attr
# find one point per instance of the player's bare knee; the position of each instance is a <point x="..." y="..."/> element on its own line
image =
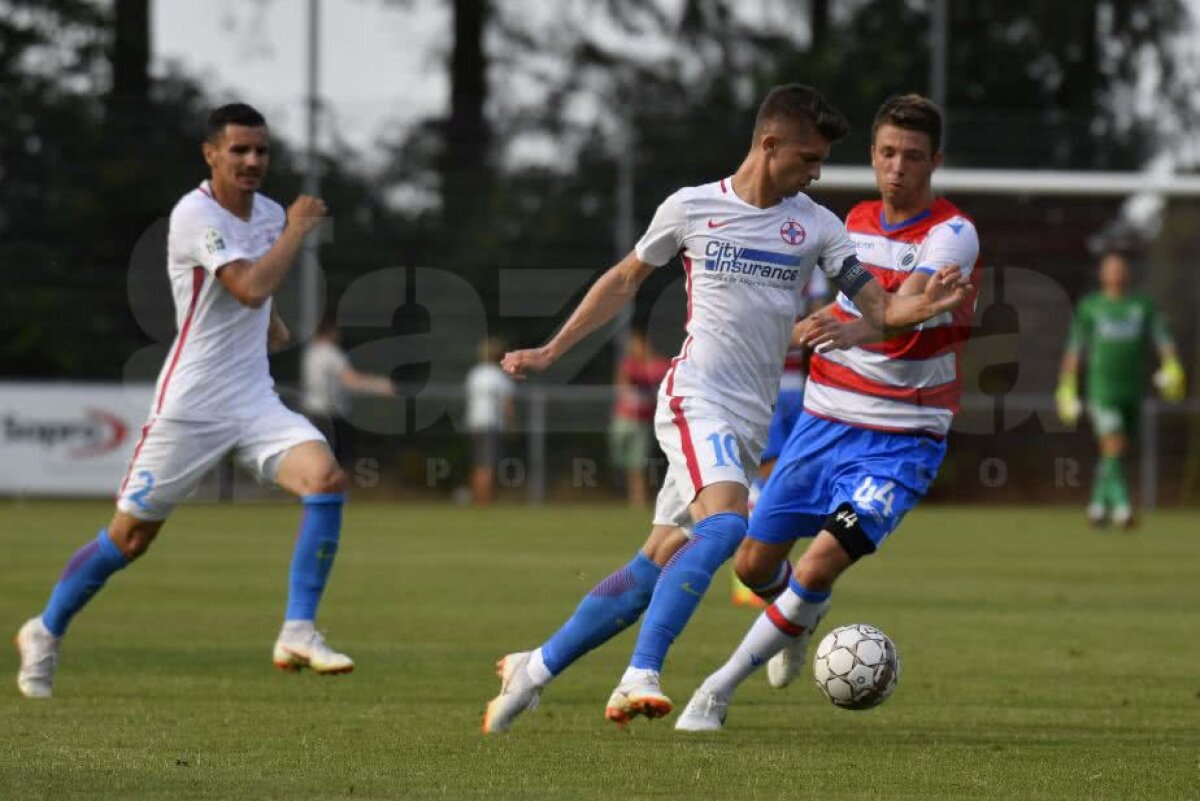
<point x="663" y="542"/>
<point x="813" y="574"/>
<point x="751" y="567"/>
<point x="332" y="480"/>
<point x="133" y="540"/>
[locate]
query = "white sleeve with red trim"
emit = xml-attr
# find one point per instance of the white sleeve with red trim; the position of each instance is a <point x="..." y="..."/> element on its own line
<point x="954" y="241"/>
<point x="200" y="233"/>
<point x="664" y="238"/>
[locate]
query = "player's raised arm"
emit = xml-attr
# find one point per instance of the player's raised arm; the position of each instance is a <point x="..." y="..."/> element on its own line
<point x="253" y="282"/>
<point x="606" y="297"/>
<point x="945" y="290"/>
<point x="823" y="331"/>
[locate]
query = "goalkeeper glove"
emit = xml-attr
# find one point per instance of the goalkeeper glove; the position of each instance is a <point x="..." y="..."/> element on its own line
<point x="1170" y="380"/>
<point x="1066" y="399"/>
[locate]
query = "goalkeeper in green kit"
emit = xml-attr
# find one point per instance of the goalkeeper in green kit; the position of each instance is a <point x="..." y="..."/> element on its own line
<point x="1111" y="331"/>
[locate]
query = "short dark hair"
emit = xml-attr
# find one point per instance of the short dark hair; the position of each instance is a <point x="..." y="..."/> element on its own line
<point x="232" y="114"/>
<point x="797" y="102"/>
<point x="912" y="112"/>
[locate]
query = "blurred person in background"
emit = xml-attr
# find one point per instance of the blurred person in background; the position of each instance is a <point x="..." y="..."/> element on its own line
<point x="327" y="378"/>
<point x="1112" y="330"/>
<point x="631" y="432"/>
<point x="489" y="412"/>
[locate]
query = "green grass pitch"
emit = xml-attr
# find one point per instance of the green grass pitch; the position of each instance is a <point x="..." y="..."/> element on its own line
<point x="1042" y="660"/>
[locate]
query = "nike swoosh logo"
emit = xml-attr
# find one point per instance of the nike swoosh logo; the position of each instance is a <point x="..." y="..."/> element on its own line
<point x="755" y="661"/>
<point x="687" y="587"/>
<point x="715" y="224"/>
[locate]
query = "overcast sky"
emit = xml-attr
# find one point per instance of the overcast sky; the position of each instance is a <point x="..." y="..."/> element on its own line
<point x="382" y="61"/>
<point x="381" y="64"/>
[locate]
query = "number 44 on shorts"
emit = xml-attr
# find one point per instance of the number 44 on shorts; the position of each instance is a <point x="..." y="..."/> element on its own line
<point x="869" y="493"/>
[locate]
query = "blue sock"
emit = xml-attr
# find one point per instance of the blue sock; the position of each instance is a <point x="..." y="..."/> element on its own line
<point x="316" y="545"/>
<point x="683" y="583"/>
<point x="612" y="606"/>
<point x="84" y="575"/>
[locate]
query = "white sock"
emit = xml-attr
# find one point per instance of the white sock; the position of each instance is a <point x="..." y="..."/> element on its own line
<point x="536" y="669"/>
<point x="785" y="620"/>
<point x="639" y="676"/>
<point x="296" y="628"/>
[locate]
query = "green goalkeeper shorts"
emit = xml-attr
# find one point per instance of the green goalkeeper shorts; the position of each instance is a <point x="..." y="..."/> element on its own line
<point x="1114" y="418"/>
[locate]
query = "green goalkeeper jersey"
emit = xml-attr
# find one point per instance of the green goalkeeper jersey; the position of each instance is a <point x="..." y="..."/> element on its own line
<point x="1113" y="335"/>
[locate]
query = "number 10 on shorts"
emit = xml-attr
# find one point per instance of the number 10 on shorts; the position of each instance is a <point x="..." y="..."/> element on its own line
<point x="725" y="450"/>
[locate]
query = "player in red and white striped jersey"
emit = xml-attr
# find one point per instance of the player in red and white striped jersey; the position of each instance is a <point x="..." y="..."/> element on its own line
<point x="909" y="383"/>
<point x="877" y="408"/>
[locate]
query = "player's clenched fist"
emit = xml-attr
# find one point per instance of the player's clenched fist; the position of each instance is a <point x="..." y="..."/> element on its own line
<point x="306" y="212"/>
<point x="519" y="362"/>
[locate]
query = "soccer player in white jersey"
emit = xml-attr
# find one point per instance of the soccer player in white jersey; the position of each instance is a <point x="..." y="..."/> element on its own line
<point x="748" y="243"/>
<point x="876" y="414"/>
<point x="228" y="249"/>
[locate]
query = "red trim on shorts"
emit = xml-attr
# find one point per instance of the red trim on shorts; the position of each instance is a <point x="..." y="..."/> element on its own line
<point x="685" y="436"/>
<point x="782" y="623"/>
<point x="133" y="461"/>
<point x="197" y="285"/>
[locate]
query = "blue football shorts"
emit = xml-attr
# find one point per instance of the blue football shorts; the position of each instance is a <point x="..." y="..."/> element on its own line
<point x="825" y="464"/>
<point x="788" y="406"/>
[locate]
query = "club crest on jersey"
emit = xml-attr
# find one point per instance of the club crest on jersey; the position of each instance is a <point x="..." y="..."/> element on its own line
<point x="213" y="241"/>
<point x="909" y="258"/>
<point x="793" y="233"/>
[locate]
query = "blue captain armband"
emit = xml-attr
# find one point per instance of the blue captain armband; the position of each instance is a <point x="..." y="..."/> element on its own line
<point x="851" y="277"/>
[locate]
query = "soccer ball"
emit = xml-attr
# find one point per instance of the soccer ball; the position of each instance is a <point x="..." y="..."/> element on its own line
<point x="856" y="666"/>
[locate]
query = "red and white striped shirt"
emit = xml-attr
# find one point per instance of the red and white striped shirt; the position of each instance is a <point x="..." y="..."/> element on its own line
<point x="912" y="382"/>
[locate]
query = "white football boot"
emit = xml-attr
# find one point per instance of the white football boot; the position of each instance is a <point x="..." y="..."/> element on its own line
<point x="785" y="666"/>
<point x="1122" y="516"/>
<point x="705" y="712"/>
<point x="39" y="659"/>
<point x="302" y="646"/>
<point x="637" y="695"/>
<point x="517" y="693"/>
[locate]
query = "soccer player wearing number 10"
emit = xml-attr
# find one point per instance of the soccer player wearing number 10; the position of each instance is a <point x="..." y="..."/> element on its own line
<point x="748" y="244"/>
<point x="872" y="434"/>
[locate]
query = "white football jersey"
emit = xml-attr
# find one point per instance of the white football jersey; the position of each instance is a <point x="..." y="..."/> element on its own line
<point x="217" y="365"/>
<point x="746" y="269"/>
